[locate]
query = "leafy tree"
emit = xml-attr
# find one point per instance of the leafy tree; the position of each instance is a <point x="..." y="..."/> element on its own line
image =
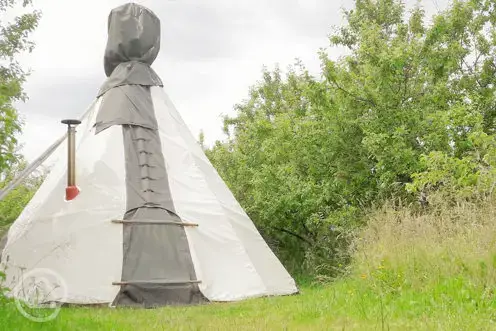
<point x="13" y="41"/>
<point x="409" y="109"/>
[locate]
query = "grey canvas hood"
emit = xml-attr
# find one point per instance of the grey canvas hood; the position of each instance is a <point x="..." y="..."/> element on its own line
<point x="132" y="46"/>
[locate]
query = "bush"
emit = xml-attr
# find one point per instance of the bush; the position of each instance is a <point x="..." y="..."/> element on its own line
<point x="407" y="112"/>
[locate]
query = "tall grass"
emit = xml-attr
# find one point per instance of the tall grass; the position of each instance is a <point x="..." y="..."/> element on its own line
<point x="423" y="249"/>
<point x="437" y="263"/>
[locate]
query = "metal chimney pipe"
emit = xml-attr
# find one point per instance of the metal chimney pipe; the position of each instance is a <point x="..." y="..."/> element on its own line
<point x="71" y="190"/>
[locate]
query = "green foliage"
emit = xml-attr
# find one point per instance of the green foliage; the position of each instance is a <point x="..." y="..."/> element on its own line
<point x="470" y="176"/>
<point x="3" y="290"/>
<point x="13" y="204"/>
<point x="13" y="41"/>
<point x="409" y="110"/>
<point x="273" y="163"/>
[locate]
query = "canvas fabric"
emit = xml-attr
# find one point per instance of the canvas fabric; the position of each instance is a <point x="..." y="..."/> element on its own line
<point x="154" y="254"/>
<point x="137" y="162"/>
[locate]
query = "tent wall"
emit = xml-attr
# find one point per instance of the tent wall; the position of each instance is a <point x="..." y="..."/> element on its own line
<point x="75" y="239"/>
<point x="231" y="258"/>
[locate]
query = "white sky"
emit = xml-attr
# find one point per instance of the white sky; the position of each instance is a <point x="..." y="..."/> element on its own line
<point x="211" y="53"/>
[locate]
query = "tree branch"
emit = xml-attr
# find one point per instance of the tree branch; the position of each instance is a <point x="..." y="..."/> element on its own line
<point x="293" y="234"/>
<point x="351" y="94"/>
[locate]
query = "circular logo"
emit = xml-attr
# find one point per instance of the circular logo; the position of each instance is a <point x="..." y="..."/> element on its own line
<point x="34" y="294"/>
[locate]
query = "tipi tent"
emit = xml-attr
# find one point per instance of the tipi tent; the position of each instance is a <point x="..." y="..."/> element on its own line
<point x="149" y="221"/>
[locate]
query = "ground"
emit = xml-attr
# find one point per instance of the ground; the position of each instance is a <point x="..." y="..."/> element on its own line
<point x="349" y="304"/>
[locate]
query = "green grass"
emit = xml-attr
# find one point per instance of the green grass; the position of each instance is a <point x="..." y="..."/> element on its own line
<point x="429" y="272"/>
<point x="352" y="304"/>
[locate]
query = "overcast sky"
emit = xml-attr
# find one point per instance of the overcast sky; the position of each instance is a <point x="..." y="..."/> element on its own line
<point x="211" y="53"/>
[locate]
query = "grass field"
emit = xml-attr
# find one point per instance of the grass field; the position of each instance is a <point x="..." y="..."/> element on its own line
<point x="346" y="305"/>
<point x="435" y="272"/>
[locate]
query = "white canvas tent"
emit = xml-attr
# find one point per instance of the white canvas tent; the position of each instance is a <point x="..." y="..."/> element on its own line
<point x="152" y="223"/>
